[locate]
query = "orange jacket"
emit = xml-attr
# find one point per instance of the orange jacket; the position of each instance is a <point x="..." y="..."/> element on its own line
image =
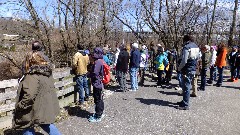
<point x="221" y="58"/>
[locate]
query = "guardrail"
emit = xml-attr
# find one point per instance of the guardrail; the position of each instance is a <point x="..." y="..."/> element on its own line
<point x="64" y="84"/>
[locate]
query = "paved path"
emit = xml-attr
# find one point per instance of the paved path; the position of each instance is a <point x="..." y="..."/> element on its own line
<point x="152" y="111"/>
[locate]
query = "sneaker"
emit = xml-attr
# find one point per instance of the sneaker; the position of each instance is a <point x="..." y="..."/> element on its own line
<point x="159" y="86"/>
<point x="180" y="103"/>
<point x="235" y="80"/>
<point x="178" y="88"/>
<point x="94" y="119"/>
<point x="132" y="90"/>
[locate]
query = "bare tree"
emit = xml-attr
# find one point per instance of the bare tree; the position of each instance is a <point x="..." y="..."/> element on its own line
<point x="233" y="26"/>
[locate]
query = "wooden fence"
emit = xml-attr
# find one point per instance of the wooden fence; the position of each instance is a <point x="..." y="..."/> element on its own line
<point x="64" y="84"/>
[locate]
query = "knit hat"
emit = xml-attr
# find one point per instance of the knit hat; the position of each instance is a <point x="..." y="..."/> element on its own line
<point x="144" y="47"/>
<point x="207" y="47"/>
<point x="135" y="45"/>
<point x="235" y="47"/>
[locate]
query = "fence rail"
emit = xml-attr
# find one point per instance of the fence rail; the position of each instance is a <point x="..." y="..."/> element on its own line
<point x="64" y="84"/>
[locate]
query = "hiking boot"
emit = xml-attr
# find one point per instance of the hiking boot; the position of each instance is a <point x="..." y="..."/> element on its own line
<point x="210" y="82"/>
<point x="193" y="95"/>
<point x="218" y="85"/>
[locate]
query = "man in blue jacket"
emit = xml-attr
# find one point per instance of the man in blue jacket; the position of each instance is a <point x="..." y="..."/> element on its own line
<point x="190" y="53"/>
<point x="134" y="66"/>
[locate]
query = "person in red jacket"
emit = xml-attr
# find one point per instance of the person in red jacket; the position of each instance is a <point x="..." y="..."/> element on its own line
<point x="221" y="62"/>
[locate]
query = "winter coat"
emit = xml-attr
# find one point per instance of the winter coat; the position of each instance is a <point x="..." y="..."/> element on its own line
<point x="123" y="60"/>
<point x="36" y="101"/>
<point x="213" y="58"/>
<point x="221" y="58"/>
<point x="143" y="61"/>
<point x="237" y="63"/>
<point x="135" y="59"/>
<point x="106" y="59"/>
<point x="80" y="63"/>
<point x="161" y="61"/>
<point x="232" y="58"/>
<point x="206" y="59"/>
<point x="97" y="73"/>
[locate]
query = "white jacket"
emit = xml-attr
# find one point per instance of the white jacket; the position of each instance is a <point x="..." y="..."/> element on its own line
<point x="143" y="60"/>
<point x="213" y="58"/>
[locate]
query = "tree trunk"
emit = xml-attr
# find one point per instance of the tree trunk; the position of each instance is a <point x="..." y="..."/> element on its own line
<point x="233" y="26"/>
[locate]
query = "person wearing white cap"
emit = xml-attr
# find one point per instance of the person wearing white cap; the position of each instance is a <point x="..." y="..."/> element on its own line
<point x="206" y="55"/>
<point x="134" y="66"/>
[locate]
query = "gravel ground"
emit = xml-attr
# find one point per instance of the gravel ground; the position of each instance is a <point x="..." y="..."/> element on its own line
<point x="152" y="111"/>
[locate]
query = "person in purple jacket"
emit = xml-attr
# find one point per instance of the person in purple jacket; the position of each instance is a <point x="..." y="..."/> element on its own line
<point x="96" y="75"/>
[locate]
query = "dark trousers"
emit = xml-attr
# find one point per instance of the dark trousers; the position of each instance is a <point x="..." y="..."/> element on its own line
<point x="98" y="100"/>
<point x="233" y="70"/>
<point x="220" y="75"/>
<point x="159" y="74"/>
<point x="203" y="78"/>
<point x="169" y="73"/>
<point x="122" y="80"/>
<point x="142" y="75"/>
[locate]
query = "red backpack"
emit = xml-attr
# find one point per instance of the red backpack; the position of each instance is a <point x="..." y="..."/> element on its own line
<point x="106" y="73"/>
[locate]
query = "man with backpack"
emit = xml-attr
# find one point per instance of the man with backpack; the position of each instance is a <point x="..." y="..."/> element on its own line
<point x="80" y="63"/>
<point x="97" y="75"/>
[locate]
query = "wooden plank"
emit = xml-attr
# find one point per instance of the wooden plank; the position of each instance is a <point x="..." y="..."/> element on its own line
<point x="61" y="74"/>
<point x="8" y="83"/>
<point x="63" y="83"/>
<point x="8" y="95"/>
<point x="6" y="108"/>
<point x="65" y="91"/>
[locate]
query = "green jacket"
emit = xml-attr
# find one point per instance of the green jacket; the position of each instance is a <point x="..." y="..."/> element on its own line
<point x="206" y="59"/>
<point x="36" y="101"/>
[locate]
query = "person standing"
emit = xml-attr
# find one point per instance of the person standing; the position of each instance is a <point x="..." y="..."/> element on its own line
<point x="143" y="63"/>
<point x="232" y="62"/>
<point x="80" y="64"/>
<point x="96" y="75"/>
<point x="161" y="61"/>
<point x="205" y="64"/>
<point x="122" y="67"/>
<point x="190" y="53"/>
<point x="134" y="66"/>
<point x="237" y="64"/>
<point x="213" y="73"/>
<point x="171" y="58"/>
<point x="221" y="62"/>
<point x="36" y="102"/>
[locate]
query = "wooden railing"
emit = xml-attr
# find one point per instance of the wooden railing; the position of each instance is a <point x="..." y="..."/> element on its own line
<point x="64" y="84"/>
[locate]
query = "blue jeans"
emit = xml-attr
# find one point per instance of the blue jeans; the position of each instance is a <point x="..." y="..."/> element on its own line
<point x="213" y="73"/>
<point x="82" y="84"/>
<point x="179" y="78"/>
<point x="51" y="129"/>
<point x="133" y="77"/>
<point x="220" y="75"/>
<point x="186" y="87"/>
<point x="203" y="78"/>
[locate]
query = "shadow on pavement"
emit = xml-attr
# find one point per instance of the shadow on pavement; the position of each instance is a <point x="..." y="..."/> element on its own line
<point x="232" y="87"/>
<point x="170" y="93"/>
<point x="77" y="111"/>
<point x="157" y="102"/>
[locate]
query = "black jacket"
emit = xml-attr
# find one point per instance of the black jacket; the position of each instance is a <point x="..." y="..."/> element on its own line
<point x="122" y="61"/>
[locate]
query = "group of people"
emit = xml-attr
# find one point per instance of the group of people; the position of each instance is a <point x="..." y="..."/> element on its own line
<point x="37" y="103"/>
